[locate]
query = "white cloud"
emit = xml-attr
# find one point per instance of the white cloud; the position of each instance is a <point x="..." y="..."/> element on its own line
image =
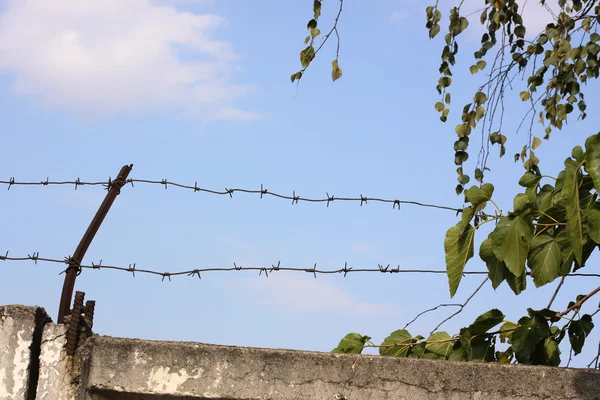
<point x="112" y="56"/>
<point x="535" y="15"/>
<point x="303" y="293"/>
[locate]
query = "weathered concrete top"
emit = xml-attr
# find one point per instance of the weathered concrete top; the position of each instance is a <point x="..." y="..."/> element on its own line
<point x="130" y="368"/>
<point x="19" y="328"/>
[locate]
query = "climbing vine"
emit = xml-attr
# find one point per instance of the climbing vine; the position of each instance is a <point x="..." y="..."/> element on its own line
<point x="554" y="225"/>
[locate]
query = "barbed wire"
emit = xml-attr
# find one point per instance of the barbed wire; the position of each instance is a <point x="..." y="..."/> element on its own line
<point x="229" y="192"/>
<point x="132" y="268"/>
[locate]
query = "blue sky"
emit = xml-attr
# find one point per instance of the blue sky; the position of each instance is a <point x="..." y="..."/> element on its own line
<point x="199" y="90"/>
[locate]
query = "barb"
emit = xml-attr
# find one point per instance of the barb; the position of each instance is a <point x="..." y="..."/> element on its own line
<point x="313" y="270"/>
<point x="345" y="270"/>
<point x="262" y="192"/>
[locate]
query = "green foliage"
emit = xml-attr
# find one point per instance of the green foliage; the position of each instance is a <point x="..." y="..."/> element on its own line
<point x="352" y="343"/>
<point x="396" y="344"/>
<point x="578" y="331"/>
<point x="551" y="231"/>
<point x="533" y="340"/>
<point x="458" y="246"/>
<point x="308" y="54"/>
<point x="567" y="50"/>
<point x="554" y="225"/>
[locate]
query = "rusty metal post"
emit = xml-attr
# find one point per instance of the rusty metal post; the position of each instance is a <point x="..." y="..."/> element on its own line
<point x="71" y="274"/>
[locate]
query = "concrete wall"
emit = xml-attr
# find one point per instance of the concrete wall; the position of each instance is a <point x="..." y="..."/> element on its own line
<point x="115" y="368"/>
<point x="20" y="338"/>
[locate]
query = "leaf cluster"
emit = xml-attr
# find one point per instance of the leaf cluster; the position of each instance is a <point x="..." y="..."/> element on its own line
<point x="559" y="68"/>
<point x="551" y="231"/>
<point x="533" y="340"/>
<point x="309" y="52"/>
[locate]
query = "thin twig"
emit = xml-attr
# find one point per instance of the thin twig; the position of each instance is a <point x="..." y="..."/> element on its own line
<point x="430" y="310"/>
<point x="579" y="303"/>
<point x="562" y="280"/>
<point x="462" y="306"/>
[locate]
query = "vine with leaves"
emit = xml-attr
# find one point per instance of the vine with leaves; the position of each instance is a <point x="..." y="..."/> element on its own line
<point x="554" y="225"/>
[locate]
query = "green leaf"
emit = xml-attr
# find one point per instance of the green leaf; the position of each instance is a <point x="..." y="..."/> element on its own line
<point x="483" y="16"/>
<point x="486" y="321"/>
<point x="481" y="64"/>
<point x="438" y="351"/>
<point x="307" y="55"/>
<point x="478" y="175"/>
<point x="464" y="23"/>
<point x="479" y="112"/>
<point x="521" y="202"/>
<point x="506" y="331"/>
<point x="495" y="268"/>
<point x="592" y="224"/>
<point x="529" y="179"/>
<point x="544" y="198"/>
<point x="516" y="283"/>
<point x="536" y="142"/>
<point x="506" y="356"/>
<point x="435" y="29"/>
<point x="526" y="337"/>
<point x="510" y="242"/>
<point x="396" y="344"/>
<point x="520" y="31"/>
<point x="578" y="154"/>
<point x="592" y="159"/>
<point x="480" y="98"/>
<point x="295" y="76"/>
<point x="317" y="8"/>
<point x="458" y="247"/>
<point x="417" y="350"/>
<point x="578" y="331"/>
<point x="466" y="217"/>
<point x="570" y="194"/>
<point x="473" y="69"/>
<point x="482" y="349"/>
<point x="439" y="106"/>
<point x="463" y="130"/>
<point x="551" y="352"/>
<point x="352" y="343"/>
<point x="525" y="96"/>
<point x="336" y="71"/>
<point x="458" y="353"/>
<point x="544" y="259"/>
<point x="312" y="24"/>
<point x="477" y="196"/>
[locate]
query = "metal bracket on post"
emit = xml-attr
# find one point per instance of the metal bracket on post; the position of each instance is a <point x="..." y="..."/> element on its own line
<point x="114" y="188"/>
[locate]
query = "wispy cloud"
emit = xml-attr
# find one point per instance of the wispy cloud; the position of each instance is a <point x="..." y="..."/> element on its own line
<point x="535" y="15"/>
<point x="301" y="293"/>
<point x="114" y="56"/>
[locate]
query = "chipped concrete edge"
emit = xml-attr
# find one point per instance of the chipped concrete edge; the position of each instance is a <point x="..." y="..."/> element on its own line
<point x="20" y="337"/>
